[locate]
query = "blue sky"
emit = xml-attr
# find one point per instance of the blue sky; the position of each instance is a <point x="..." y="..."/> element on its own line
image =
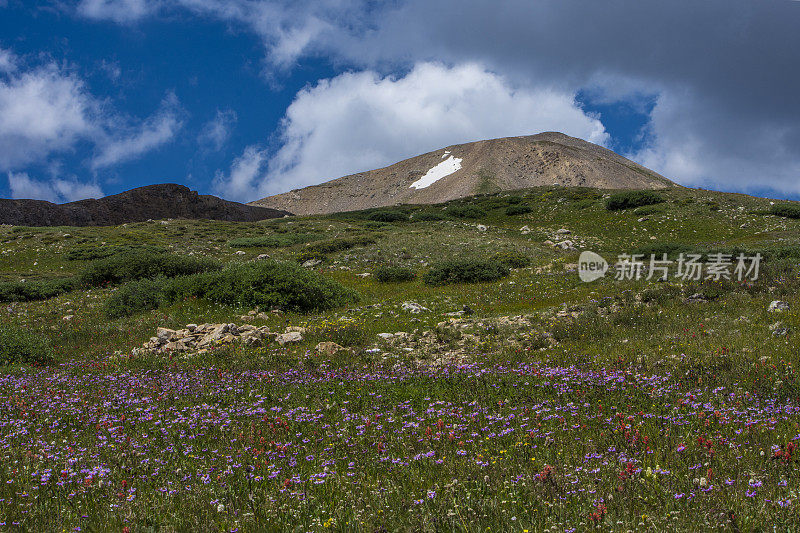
<point x="245" y="98"/>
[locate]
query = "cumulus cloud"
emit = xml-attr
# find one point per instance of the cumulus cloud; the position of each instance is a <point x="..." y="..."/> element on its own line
<point x="245" y="176"/>
<point x="360" y="121"/>
<point x="46" y="111"/>
<point x="216" y="132"/>
<point x="56" y="190"/>
<point x="153" y="133"/>
<point x="42" y="111"/>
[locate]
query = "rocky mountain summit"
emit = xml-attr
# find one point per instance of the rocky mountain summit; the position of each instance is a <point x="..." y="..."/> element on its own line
<point x="463" y="170"/>
<point x="137" y="205"/>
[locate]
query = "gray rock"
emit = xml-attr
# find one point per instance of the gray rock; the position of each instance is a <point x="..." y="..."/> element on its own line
<point x="778" y="306"/>
<point x="289" y="337"/>
<point x="413" y="307"/>
<point x="311" y="263"/>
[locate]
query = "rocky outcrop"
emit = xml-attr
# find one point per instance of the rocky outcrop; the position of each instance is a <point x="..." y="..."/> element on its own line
<point x="201" y="338"/>
<point x="137" y="205"/>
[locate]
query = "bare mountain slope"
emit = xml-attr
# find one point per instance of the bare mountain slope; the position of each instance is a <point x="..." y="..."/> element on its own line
<point x="466" y="169"/>
<point x="137" y="205"/>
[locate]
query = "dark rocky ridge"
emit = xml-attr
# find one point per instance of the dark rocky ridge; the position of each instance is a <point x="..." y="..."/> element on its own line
<point x="137" y="205"/>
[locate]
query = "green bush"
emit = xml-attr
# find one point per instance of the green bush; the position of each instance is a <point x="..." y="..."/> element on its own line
<point x="465" y="211"/>
<point x="631" y="199"/>
<point x="22" y="346"/>
<point x="90" y="253"/>
<point x="428" y="216"/>
<point x="28" y="291"/>
<point x="512" y="259"/>
<point x="518" y="210"/>
<point x="388" y="215"/>
<point x="388" y="274"/>
<point x="465" y="271"/>
<point x="339" y="245"/>
<point x="263" y="284"/>
<point x="786" y="210"/>
<point x="135" y="297"/>
<point x="274" y="241"/>
<point x="133" y="266"/>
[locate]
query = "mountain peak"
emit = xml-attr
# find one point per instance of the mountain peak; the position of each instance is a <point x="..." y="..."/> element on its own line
<point x="505" y="164"/>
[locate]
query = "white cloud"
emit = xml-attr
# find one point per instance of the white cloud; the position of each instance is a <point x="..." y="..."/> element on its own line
<point x="42" y="111"/>
<point x="153" y="133"/>
<point x="120" y="11"/>
<point x="56" y="190"/>
<point x="246" y="173"/>
<point x="8" y="61"/>
<point x="45" y="111"/>
<point x="361" y="121"/>
<point x="216" y="132"/>
<point x="699" y="146"/>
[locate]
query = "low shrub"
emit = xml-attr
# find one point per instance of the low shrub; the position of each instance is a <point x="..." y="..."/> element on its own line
<point x="785" y="210"/>
<point x="339" y="245"/>
<point x="428" y="216"/>
<point x="91" y="253"/>
<point x="29" y="291"/>
<point x="274" y="241"/>
<point x="518" y="210"/>
<point x="465" y="211"/>
<point x="388" y="215"/>
<point x="465" y="271"/>
<point x="631" y="199"/>
<point x="22" y="346"/>
<point x="135" y="297"/>
<point x="389" y="274"/>
<point x="263" y="284"/>
<point x="133" y="266"/>
<point x="512" y="259"/>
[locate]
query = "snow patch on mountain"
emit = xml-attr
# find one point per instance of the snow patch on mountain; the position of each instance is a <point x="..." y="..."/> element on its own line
<point x="442" y="170"/>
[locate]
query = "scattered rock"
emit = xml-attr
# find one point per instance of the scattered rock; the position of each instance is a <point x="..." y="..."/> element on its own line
<point x="468" y="311"/>
<point x="240" y="252"/>
<point x="289" y="337"/>
<point x="311" y="263"/>
<point x="778" y="329"/>
<point x="386" y="336"/>
<point x="481" y="227"/>
<point x="327" y="348"/>
<point x="414" y="308"/>
<point x="696" y="297"/>
<point x="563" y="231"/>
<point x="261" y="257"/>
<point x="778" y="306"/>
<point x="525" y="230"/>
<point x="68" y="317"/>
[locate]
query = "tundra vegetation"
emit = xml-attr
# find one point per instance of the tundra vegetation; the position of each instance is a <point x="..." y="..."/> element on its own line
<point x="425" y="368"/>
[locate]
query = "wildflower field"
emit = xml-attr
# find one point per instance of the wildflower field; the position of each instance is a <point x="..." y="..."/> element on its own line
<point x="547" y="404"/>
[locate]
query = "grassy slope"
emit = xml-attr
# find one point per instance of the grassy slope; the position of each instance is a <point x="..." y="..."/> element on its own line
<point x="638" y="375"/>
